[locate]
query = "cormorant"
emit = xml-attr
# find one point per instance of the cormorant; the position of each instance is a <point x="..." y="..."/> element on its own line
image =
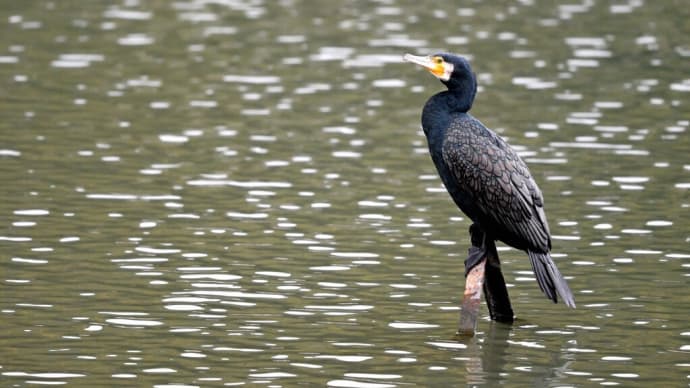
<point x="485" y="176"/>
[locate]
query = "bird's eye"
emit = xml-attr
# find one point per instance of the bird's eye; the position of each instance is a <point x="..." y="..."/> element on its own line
<point x="438" y="60"/>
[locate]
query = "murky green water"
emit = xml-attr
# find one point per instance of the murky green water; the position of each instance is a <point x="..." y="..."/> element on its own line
<point x="213" y="193"/>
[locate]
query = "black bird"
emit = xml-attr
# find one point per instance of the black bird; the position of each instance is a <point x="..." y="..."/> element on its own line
<point x="485" y="176"/>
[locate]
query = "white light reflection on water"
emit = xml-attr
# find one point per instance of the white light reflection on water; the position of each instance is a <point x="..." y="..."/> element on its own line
<point x="32" y="212"/>
<point x="342" y="383"/>
<point x="411" y="325"/>
<point x="133" y="322"/>
<point x="352" y="359"/>
<point x="534" y="83"/>
<point x="330" y="268"/>
<point x="136" y="39"/>
<point x="254" y="216"/>
<point x="28" y="261"/>
<point x="76" y="60"/>
<point x="241" y="184"/>
<point x="236" y="294"/>
<point x="371" y="60"/>
<point x="128" y="14"/>
<point x="15" y="239"/>
<point x="252" y="79"/>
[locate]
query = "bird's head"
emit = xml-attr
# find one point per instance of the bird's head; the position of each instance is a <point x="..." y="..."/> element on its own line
<point x="453" y="70"/>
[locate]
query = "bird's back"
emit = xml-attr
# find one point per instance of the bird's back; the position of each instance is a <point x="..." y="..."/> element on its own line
<point x="490" y="175"/>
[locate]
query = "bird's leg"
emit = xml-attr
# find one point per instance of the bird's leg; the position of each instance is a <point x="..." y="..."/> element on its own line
<point x="495" y="290"/>
<point x="476" y="253"/>
<point x="483" y="271"/>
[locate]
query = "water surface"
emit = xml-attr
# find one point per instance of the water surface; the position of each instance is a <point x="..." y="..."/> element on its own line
<point x="224" y="193"/>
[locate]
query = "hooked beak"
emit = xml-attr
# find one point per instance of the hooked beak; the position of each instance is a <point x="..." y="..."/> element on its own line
<point x="435" y="68"/>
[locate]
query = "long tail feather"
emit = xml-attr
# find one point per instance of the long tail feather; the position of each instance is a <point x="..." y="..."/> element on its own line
<point x="550" y="279"/>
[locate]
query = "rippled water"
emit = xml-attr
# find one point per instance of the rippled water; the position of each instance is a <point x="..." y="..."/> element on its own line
<point x="209" y="193"/>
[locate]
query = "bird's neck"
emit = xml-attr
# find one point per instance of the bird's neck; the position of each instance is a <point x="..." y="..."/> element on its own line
<point x="459" y="98"/>
<point x="436" y="117"/>
<point x="439" y="108"/>
<point x="438" y="113"/>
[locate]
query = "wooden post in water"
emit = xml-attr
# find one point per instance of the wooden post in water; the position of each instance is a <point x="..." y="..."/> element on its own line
<point x="469" y="311"/>
<point x="484" y="275"/>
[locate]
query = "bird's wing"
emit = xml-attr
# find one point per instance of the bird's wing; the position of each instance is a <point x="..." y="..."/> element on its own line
<point x="498" y="181"/>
